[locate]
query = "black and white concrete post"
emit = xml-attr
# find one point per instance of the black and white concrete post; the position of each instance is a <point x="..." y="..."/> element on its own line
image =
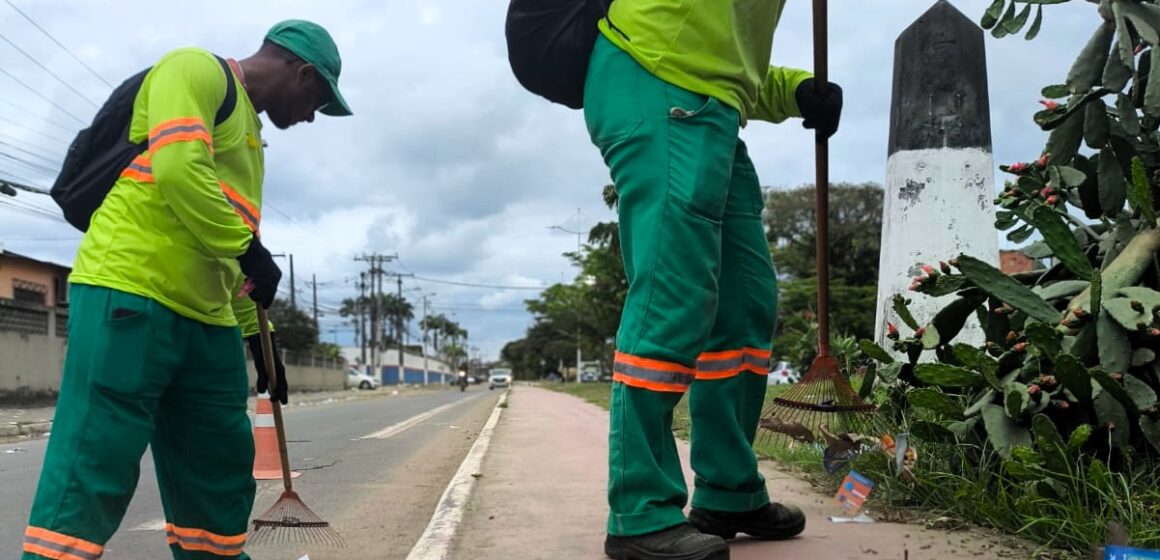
<point x="939" y="171"/>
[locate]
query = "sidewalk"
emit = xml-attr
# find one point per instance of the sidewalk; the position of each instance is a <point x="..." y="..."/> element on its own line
<point x="541" y="495"/>
<point x="18" y="423"/>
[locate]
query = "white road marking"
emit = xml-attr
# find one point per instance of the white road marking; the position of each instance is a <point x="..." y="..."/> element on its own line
<point x="154" y="525"/>
<point x="396" y="429"/>
<point x="435" y="544"/>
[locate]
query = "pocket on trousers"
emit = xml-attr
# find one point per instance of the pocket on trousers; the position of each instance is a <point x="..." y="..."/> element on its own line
<point x="612" y="95"/>
<point x="702" y="140"/>
<point x="122" y="345"/>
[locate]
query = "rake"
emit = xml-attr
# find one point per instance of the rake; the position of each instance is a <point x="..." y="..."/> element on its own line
<point x="289" y="520"/>
<point x="823" y="403"/>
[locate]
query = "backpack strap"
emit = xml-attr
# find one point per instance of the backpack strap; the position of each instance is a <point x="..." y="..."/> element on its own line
<point x="231" y="100"/>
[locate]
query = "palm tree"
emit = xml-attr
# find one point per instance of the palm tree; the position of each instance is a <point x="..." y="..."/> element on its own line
<point x="437" y="325"/>
<point x="607" y="233"/>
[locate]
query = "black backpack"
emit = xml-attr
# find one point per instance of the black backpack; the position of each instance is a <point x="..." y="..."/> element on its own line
<point x="99" y="153"/>
<point x="549" y="43"/>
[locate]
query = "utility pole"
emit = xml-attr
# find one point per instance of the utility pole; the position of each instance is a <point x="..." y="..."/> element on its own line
<point x="376" y="273"/>
<point x="293" y="291"/>
<point x="399" y="322"/>
<point x="362" y="315"/>
<point x="579" y="356"/>
<point x="426" y="369"/>
<point x="314" y="289"/>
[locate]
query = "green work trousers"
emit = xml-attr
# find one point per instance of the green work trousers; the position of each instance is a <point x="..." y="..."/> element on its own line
<point x="702" y="295"/>
<point x="137" y="374"/>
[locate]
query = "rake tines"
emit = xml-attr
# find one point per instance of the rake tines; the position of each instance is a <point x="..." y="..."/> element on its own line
<point x="290" y="521"/>
<point x="823" y="399"/>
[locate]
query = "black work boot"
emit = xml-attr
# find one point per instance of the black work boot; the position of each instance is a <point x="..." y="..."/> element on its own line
<point x="771" y="522"/>
<point x="682" y="542"/>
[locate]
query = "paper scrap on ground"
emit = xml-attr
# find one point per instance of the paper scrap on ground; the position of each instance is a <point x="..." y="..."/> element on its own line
<point x="14" y="450"/>
<point x="860" y="518"/>
<point x="307" y="557"/>
<point x="853" y="492"/>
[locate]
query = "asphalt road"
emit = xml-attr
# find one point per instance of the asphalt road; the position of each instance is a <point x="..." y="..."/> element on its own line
<point x="378" y="492"/>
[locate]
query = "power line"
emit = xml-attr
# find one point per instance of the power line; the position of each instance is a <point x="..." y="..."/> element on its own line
<point x="41" y="95"/>
<point x="58" y="43"/>
<point x="39" y="168"/>
<point x="31" y="209"/>
<point x="46" y="69"/>
<point x="48" y="160"/>
<point x="473" y="285"/>
<point x="34" y="131"/>
<point x="66" y="128"/>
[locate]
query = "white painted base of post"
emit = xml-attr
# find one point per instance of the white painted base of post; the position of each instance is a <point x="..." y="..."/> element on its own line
<point x="938" y="204"/>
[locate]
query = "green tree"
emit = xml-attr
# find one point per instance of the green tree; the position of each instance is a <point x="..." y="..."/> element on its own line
<point x="296" y="330"/>
<point x="855" y="231"/>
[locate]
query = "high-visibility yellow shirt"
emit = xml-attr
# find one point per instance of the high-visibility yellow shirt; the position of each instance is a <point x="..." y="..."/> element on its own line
<point x="179" y="216"/>
<point x="718" y="48"/>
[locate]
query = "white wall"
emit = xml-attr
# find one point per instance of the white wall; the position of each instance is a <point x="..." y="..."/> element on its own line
<point x="32" y="365"/>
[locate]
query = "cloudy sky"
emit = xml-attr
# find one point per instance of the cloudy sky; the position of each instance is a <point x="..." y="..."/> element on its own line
<point x="448" y="162"/>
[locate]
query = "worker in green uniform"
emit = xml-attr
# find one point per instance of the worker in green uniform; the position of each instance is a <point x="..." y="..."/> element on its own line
<point x="155" y="355"/>
<point x="669" y="85"/>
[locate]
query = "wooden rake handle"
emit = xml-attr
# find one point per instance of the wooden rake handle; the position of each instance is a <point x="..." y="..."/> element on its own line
<point x="272" y="378"/>
<point x="822" y="187"/>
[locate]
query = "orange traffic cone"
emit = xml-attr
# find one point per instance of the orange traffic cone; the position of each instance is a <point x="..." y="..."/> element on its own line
<point x="267" y="462"/>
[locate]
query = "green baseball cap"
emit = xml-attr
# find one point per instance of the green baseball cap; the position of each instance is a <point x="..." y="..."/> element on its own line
<point x="310" y="42"/>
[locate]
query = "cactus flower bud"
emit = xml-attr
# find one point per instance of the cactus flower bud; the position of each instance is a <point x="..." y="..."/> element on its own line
<point x="1017" y="167"/>
<point x="954" y="262"/>
<point x="1137" y="306"/>
<point x="1062" y="405"/>
<point x="1051" y="105"/>
<point x="1011" y="336"/>
<point x="929" y="270"/>
<point x="1020" y="347"/>
<point x="946" y="268"/>
<point x="1043" y="160"/>
<point x="1079" y="313"/>
<point x="1047" y="191"/>
<point x="1116" y="376"/>
<point x="1032" y="389"/>
<point x="920" y="331"/>
<point x="1052" y="200"/>
<point x="891" y="331"/>
<point x="1153" y="331"/>
<point x="1048" y="380"/>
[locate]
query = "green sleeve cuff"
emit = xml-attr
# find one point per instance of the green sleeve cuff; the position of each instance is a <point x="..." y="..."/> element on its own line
<point x="776" y="101"/>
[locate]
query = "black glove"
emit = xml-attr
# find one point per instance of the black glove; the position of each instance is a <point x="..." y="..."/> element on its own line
<point x="259" y="268"/>
<point x="820" y="110"/>
<point x="281" y="393"/>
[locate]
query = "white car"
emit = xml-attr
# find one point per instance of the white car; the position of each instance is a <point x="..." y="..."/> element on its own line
<point x="782" y="374"/>
<point x="499" y="378"/>
<point x="362" y="380"/>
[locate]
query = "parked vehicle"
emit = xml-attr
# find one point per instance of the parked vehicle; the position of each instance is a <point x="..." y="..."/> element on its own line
<point x="782" y="374"/>
<point x="360" y="379"/>
<point x="499" y="377"/>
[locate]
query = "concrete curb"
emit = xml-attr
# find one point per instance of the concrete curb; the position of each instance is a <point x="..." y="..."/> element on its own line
<point x="27" y="429"/>
<point x="437" y="540"/>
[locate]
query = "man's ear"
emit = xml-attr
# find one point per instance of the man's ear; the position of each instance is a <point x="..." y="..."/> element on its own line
<point x="306" y="72"/>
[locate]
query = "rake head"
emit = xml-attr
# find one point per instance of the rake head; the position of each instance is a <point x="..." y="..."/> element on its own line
<point x="290" y="521"/>
<point x="822" y="402"/>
